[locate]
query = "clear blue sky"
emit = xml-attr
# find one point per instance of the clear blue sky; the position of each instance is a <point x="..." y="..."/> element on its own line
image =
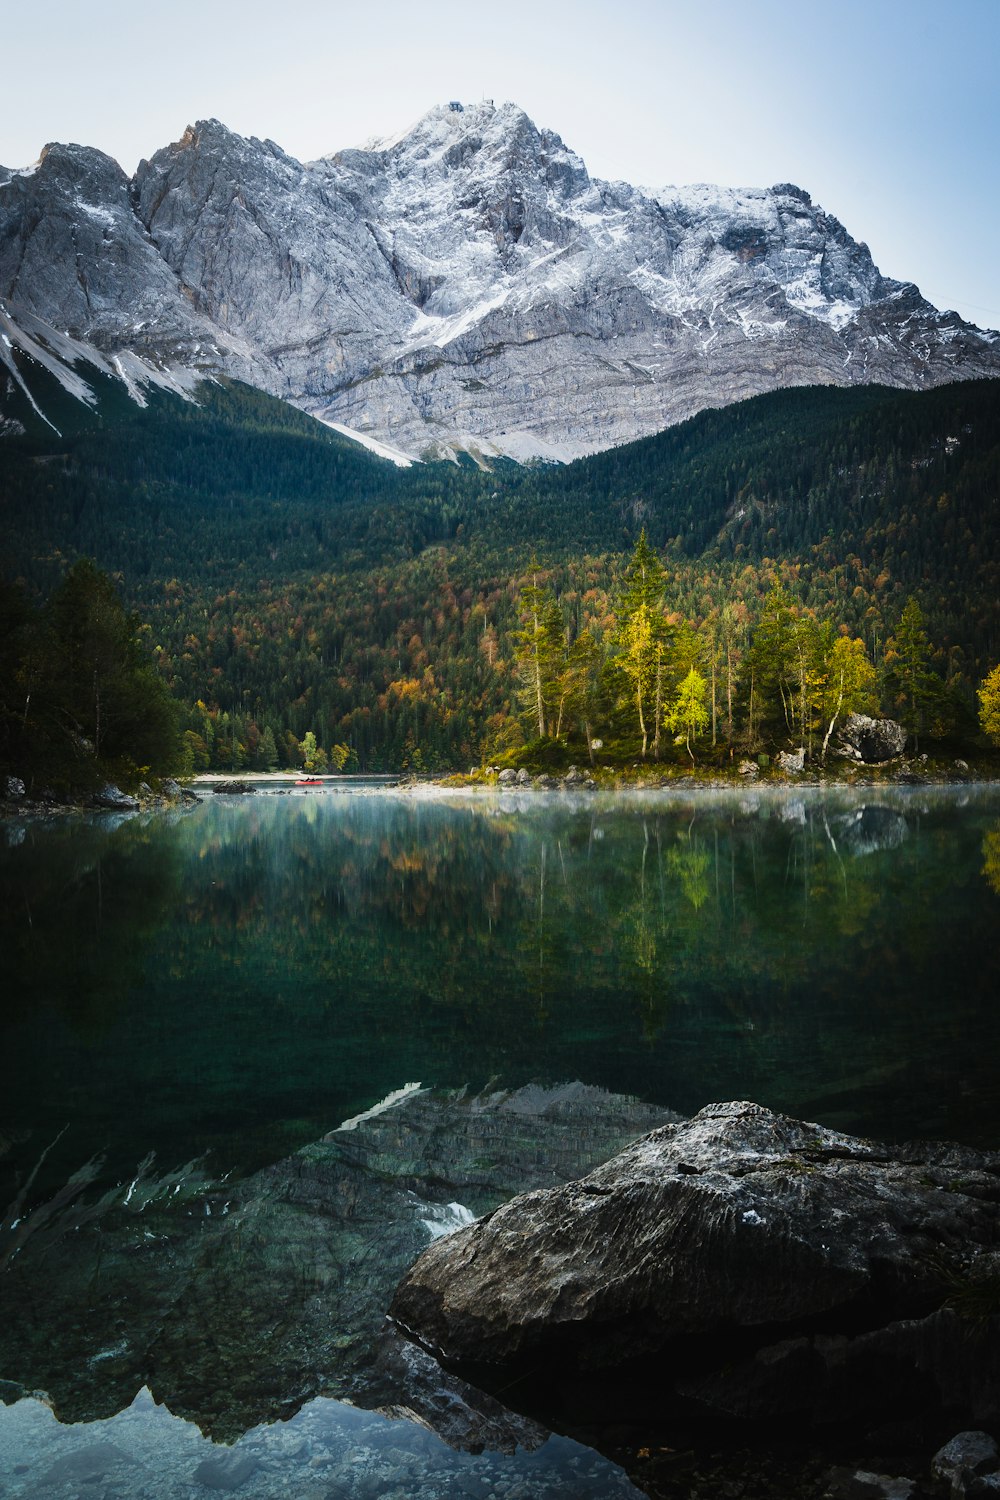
<point x="885" y="110"/>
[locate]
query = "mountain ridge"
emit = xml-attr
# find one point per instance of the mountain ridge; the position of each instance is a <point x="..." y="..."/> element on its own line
<point x="463" y="286"/>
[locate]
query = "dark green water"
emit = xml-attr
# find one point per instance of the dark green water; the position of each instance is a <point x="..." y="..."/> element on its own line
<point x="241" y="978"/>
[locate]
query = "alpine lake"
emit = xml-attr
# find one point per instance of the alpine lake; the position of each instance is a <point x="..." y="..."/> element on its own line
<point x="259" y="1050"/>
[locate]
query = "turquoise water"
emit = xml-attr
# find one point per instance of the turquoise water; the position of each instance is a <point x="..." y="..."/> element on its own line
<point x="237" y="979"/>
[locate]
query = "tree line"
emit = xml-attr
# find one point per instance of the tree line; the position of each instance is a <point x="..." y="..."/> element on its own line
<point x="646" y="681"/>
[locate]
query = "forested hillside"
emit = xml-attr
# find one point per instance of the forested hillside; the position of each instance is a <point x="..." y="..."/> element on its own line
<point x="295" y="584"/>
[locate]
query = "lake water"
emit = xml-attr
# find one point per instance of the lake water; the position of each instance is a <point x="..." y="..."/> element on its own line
<point x="232" y="982"/>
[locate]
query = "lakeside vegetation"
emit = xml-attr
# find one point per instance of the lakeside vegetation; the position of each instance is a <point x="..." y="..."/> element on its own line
<point x="736" y="584"/>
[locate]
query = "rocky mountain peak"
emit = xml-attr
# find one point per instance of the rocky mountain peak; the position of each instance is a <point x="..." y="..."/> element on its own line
<point x="463" y="285"/>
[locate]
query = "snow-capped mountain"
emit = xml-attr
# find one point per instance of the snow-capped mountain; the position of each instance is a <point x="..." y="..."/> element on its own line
<point x="466" y="285"/>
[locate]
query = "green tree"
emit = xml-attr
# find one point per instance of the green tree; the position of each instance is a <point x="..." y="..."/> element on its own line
<point x="642" y="640"/>
<point x="540" y="645"/>
<point x="313" y="755"/>
<point x="908" y="657"/>
<point x="106" y="696"/>
<point x="689" y="713"/>
<point x="267" y="752"/>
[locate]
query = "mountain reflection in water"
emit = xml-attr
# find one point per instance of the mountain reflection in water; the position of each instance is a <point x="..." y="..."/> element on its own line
<point x="229" y="984"/>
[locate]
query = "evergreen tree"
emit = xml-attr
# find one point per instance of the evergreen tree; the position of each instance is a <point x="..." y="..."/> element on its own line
<point x="908" y="667"/>
<point x="540" y="649"/>
<point x="642" y="640"/>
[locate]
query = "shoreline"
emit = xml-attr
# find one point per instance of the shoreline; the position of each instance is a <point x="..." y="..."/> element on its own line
<point x="541" y="786"/>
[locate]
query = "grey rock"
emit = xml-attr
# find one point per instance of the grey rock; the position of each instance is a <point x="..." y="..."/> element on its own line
<point x="749" y="768"/>
<point x="112" y="796"/>
<point x="966" y="1456"/>
<point x="738" y="1219"/>
<point x="507" y="777"/>
<point x="961" y="765"/>
<point x="870" y="741"/>
<point x="792" y="762"/>
<point x="545" y="782"/>
<point x="13" y="788"/>
<point x="523" y="777"/>
<point x="423" y="291"/>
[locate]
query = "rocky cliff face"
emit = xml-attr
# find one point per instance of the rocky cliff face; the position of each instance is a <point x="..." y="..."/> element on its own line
<point x="467" y="285"/>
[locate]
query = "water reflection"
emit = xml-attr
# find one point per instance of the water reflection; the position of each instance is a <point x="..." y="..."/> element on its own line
<point x="239" y="979"/>
<point x="236" y="1304"/>
<point x="327" y="1449"/>
<point x="991" y="857"/>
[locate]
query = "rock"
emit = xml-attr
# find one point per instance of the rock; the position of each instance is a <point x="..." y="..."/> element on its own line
<point x="860" y="1484"/>
<point x="791" y="761"/>
<point x="870" y="741"/>
<point x="961" y="765"/>
<point x="145" y="792"/>
<point x="234" y="788"/>
<point x="707" y="1238"/>
<point x="113" y="797"/>
<point x="749" y="768"/>
<point x="546" y="783"/>
<point x="13" y="788"/>
<point x="507" y="777"/>
<point x="523" y="778"/>
<point x="967" y="1456"/>
<point x="573" y="777"/>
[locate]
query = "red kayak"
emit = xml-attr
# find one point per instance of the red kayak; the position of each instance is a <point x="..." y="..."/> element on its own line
<point x="310" y="781"/>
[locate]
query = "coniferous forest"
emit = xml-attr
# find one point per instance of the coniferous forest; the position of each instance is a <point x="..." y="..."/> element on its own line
<point x="734" y="585"/>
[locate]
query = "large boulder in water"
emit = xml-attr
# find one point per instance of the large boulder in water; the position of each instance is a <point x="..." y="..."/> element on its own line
<point x="712" y="1243"/>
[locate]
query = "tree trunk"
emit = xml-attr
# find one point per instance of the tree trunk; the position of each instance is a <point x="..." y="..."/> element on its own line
<point x="714" y="740"/>
<point x="836" y="716"/>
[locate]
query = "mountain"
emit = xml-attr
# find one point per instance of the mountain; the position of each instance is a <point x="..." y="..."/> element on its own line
<point x="465" y="286"/>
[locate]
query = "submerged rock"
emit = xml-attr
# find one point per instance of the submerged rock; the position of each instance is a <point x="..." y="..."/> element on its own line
<point x="759" y="1257"/>
<point x="246" y="1300"/>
